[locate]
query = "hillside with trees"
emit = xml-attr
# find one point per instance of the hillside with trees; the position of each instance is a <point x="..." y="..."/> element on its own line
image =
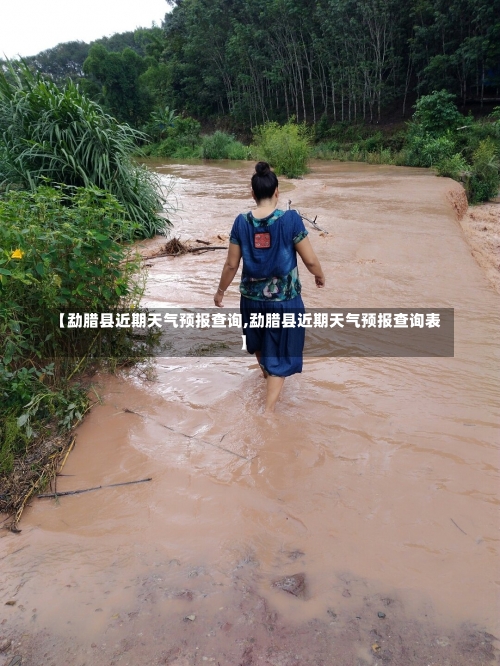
<point x="348" y="60"/>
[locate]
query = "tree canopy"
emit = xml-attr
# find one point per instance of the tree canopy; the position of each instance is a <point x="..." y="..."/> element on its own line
<point x="268" y="60"/>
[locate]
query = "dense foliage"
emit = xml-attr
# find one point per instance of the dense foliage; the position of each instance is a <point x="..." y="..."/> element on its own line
<point x="286" y="148"/>
<point x="58" y="135"/>
<point x="66" y="59"/>
<point x="271" y="59"/>
<point x="64" y="257"/>
<point x="437" y="136"/>
<point x="119" y="74"/>
<point x="180" y="137"/>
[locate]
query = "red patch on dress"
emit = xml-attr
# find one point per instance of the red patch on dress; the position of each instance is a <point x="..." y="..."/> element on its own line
<point x="262" y="240"/>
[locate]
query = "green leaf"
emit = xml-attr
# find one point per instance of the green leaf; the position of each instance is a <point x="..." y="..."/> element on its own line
<point x="22" y="419"/>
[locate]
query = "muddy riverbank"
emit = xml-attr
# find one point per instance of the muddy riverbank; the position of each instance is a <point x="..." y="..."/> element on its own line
<point x="377" y="480"/>
<point x="481" y="226"/>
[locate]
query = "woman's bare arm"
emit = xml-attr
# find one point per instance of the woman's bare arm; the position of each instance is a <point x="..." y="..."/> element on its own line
<point x="311" y="261"/>
<point x="228" y="272"/>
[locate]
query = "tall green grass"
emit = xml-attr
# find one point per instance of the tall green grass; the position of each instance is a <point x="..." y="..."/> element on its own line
<point x="57" y="135"/>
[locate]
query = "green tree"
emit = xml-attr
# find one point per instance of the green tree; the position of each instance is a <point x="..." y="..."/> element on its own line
<point x="437" y="113"/>
<point x="63" y="61"/>
<point x="119" y="75"/>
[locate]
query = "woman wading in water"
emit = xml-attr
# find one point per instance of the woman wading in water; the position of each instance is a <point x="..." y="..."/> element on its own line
<point x="269" y="242"/>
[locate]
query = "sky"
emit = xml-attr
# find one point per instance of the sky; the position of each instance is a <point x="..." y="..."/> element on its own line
<point x="30" y="26"/>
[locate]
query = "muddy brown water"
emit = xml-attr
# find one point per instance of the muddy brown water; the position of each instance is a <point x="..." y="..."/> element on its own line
<point x="377" y="479"/>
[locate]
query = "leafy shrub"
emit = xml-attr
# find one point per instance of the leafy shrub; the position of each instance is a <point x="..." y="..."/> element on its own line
<point x="182" y="139"/>
<point x="435" y="150"/>
<point x="222" y="146"/>
<point x="159" y="122"/>
<point x="436" y="113"/>
<point x="484" y="182"/>
<point x="238" y="151"/>
<point x="469" y="136"/>
<point x="216" y="146"/>
<point x="65" y="256"/>
<point x="57" y="135"/>
<point x="455" y="167"/>
<point x="285" y="147"/>
<point x="322" y="129"/>
<point x="67" y="252"/>
<point x="372" y="143"/>
<point x="426" y="150"/>
<point x="177" y="147"/>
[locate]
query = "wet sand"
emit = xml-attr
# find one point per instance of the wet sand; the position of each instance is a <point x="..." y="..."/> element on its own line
<point x="377" y="479"/>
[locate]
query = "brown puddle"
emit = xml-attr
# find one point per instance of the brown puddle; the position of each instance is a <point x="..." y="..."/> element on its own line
<point x="377" y="479"/>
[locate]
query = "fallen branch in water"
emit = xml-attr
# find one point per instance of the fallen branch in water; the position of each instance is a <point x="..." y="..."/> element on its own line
<point x="175" y="248"/>
<point x="192" y="438"/>
<point x="87" y="490"/>
<point x="204" y="249"/>
<point x="311" y="222"/>
<point x="191" y="249"/>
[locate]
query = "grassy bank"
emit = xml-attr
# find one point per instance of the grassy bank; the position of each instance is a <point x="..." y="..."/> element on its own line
<point x="71" y="202"/>
<point x="69" y="255"/>
<point x="437" y="137"/>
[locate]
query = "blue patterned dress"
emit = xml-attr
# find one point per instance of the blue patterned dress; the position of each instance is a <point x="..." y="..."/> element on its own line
<point x="270" y="285"/>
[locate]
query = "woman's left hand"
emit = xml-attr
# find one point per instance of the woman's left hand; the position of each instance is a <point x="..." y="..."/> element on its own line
<point x="218" y="299"/>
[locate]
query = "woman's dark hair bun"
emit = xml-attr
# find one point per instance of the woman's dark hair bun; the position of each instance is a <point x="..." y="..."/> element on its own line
<point x="262" y="168"/>
<point x="264" y="181"/>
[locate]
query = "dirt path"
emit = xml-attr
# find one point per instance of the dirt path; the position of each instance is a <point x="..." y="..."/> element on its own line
<point x="376" y="486"/>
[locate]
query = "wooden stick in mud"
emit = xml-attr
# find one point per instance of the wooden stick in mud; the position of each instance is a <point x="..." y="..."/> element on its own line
<point x="17" y="517"/>
<point x="70" y="447"/>
<point x="190" y="437"/>
<point x="458" y="526"/>
<point x="87" y="490"/>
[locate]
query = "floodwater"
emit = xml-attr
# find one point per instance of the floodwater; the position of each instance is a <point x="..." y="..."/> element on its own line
<point x="377" y="479"/>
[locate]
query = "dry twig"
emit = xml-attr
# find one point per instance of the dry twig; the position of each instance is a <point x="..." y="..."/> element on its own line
<point x="87" y="490"/>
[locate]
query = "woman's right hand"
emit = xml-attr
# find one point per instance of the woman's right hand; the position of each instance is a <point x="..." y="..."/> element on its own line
<point x="218" y="296"/>
<point x="308" y="256"/>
